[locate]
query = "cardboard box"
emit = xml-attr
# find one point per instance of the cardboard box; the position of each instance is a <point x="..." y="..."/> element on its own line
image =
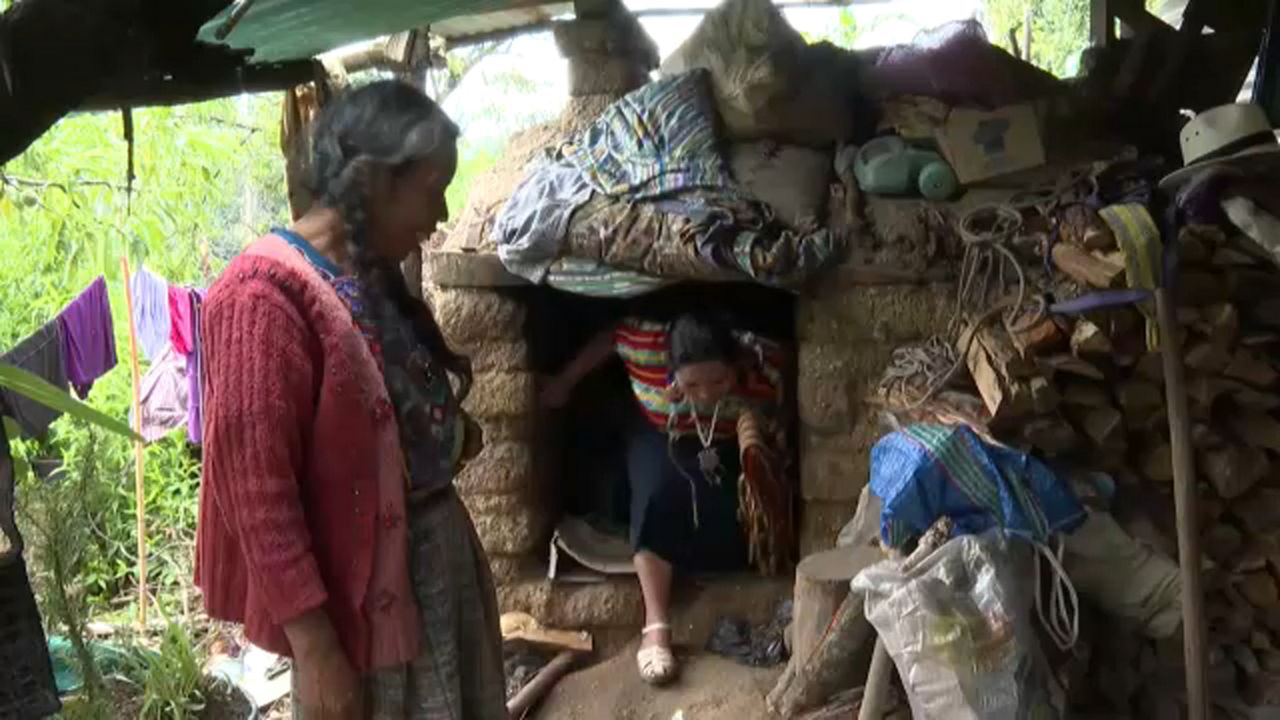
<point x="982" y="144"/>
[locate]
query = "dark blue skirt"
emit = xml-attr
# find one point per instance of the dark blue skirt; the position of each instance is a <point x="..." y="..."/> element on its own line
<point x="665" y="482"/>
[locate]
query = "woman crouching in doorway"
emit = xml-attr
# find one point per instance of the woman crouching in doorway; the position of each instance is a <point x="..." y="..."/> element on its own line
<point x="329" y="525"/>
<point x="705" y="479"/>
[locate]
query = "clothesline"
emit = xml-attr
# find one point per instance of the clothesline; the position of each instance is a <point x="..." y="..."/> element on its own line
<point x="77" y="348"/>
<point x="166" y="317"/>
<point x="71" y="351"/>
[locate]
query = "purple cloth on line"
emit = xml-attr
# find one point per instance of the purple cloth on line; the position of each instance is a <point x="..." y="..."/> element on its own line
<point x="88" y="337"/>
<point x="150" y="313"/>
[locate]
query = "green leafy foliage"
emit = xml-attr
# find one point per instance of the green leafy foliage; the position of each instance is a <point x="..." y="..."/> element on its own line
<point x="173" y="685"/>
<point x="1059" y="30"/>
<point x="209" y="178"/>
<point x="38" y="389"/>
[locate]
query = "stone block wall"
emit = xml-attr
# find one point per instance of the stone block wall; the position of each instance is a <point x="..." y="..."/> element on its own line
<point x="847" y="327"/>
<point x="502" y="487"/>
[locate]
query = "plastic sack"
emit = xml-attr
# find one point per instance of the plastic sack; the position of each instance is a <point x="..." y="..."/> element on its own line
<point x="959" y="629"/>
<point x="1123" y="577"/>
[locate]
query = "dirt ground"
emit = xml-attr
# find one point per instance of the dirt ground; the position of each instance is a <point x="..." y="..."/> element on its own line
<point x="709" y="688"/>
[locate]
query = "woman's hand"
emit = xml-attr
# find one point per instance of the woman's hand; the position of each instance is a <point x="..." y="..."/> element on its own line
<point x="327" y="686"/>
<point x="556" y="391"/>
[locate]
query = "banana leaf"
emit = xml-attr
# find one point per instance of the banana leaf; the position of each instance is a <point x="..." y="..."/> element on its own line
<point x="36" y="388"/>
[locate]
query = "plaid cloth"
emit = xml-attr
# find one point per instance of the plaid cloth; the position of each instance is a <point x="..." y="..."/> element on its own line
<point x="657" y="140"/>
<point x="924" y="472"/>
<point x="595" y="279"/>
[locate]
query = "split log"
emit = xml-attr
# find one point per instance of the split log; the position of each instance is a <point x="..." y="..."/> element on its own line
<point x="1157" y="463"/>
<point x="1208" y="357"/>
<point x="1044" y="396"/>
<point x="1089" y="339"/>
<point x="1235" y="469"/>
<point x="1005" y="397"/>
<point x="1069" y="365"/>
<point x="1142" y="404"/>
<point x="1256" y="429"/>
<point x="1193" y="249"/>
<point x="1086" y="268"/>
<point x="1231" y="257"/>
<point x="1081" y="393"/>
<point x="1042" y="337"/>
<point x="822" y="583"/>
<point x="1251" y="367"/>
<point x="1220" y="323"/>
<point x="1104" y="426"/>
<point x="1052" y="434"/>
<point x="1005" y="353"/>
<point x="1246" y="398"/>
<point x="1198" y="288"/>
<point x="1081" y="225"/>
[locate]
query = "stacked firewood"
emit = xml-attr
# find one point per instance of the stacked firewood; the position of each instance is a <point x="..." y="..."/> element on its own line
<point x="1087" y="393"/>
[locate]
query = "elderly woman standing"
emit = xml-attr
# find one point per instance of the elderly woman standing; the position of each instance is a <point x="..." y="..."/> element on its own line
<point x="329" y="525"/>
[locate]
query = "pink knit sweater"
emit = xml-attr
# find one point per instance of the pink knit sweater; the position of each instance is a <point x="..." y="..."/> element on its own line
<point x="302" y="504"/>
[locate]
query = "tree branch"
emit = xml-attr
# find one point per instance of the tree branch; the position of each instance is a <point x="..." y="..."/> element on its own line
<point x="65" y="185"/>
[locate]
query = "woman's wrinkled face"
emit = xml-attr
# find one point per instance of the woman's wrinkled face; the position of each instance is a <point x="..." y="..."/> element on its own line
<point x="706" y="383"/>
<point x="407" y="205"/>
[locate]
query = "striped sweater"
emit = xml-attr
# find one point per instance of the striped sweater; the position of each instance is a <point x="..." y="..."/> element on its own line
<point x="642" y="345"/>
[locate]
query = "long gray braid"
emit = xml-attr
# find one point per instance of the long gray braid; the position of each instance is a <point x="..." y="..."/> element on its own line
<point x="386" y="124"/>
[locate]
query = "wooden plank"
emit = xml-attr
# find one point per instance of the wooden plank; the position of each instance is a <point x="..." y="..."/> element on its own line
<point x="1087" y="268"/>
<point x="523" y="627"/>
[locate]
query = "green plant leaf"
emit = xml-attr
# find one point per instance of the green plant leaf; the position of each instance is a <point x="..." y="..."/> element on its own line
<point x="36" y="388"/>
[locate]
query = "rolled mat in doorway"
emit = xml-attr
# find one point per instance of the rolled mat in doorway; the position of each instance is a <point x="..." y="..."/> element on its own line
<point x="599" y="551"/>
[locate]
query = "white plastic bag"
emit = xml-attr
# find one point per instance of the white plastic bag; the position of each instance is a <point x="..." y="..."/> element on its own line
<point x="959" y="628"/>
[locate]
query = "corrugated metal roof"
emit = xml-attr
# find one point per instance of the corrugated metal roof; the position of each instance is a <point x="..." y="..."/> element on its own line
<point x="278" y="30"/>
<point x="468" y="26"/>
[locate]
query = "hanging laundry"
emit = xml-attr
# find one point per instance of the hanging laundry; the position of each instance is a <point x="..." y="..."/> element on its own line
<point x="150" y="312"/>
<point x="42" y="355"/>
<point x="194" y="386"/>
<point x="88" y="337"/>
<point x="180" y="320"/>
<point x="163" y="396"/>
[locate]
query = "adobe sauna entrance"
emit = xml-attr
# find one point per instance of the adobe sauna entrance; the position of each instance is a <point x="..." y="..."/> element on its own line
<point x="844" y="328"/>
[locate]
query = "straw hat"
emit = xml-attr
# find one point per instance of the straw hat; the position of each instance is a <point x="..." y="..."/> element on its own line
<point x="1235" y="134"/>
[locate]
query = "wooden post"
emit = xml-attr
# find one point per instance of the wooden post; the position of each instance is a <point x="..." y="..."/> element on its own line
<point x="1184" y="498"/>
<point x="139" y="452"/>
<point x="879" y="680"/>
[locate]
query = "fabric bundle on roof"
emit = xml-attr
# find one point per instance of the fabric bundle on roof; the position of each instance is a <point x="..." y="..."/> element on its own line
<point x="664" y="202"/>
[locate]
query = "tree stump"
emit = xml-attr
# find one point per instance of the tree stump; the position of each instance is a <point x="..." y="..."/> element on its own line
<point x="822" y="582"/>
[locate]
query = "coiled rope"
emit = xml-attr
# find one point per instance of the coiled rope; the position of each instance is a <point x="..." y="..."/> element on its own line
<point x="987" y="268"/>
